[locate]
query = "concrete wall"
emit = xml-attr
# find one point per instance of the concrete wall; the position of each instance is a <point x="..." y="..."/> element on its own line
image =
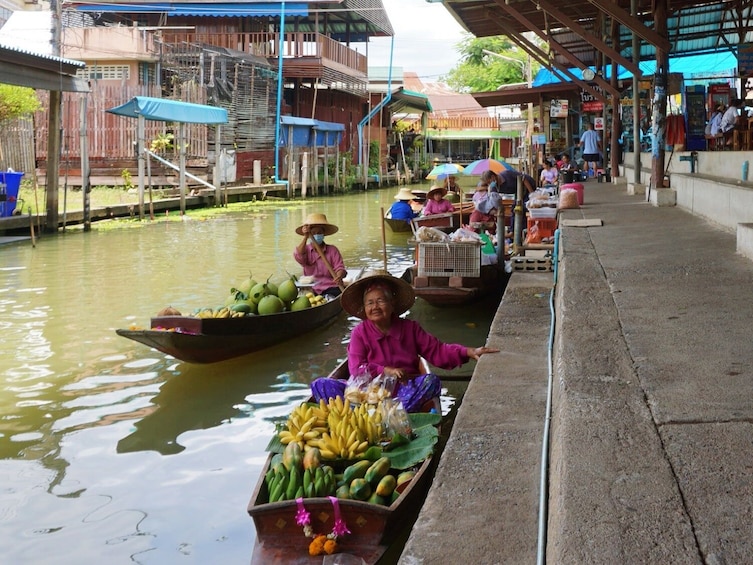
<point x="715" y="192"/>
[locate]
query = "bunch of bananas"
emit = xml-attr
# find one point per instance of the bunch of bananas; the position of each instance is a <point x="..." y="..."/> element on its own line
<point x="351" y="431"/>
<point x="223" y="312"/>
<point x="289" y="484"/>
<point x="306" y="423"/>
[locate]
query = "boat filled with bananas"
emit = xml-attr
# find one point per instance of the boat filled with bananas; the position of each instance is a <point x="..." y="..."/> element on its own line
<point x="253" y="317"/>
<point x="342" y="478"/>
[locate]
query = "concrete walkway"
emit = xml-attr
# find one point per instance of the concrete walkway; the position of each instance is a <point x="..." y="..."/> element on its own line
<point x="652" y="425"/>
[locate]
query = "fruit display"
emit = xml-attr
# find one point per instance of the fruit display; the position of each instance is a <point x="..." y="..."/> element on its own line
<point x="338" y="429"/>
<point x="340" y="449"/>
<point x="252" y="298"/>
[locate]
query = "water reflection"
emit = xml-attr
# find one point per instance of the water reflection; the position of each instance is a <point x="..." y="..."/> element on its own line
<point x="114" y="449"/>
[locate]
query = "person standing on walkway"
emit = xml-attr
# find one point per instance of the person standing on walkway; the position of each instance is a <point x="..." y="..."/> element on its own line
<point x="591" y="146"/>
<point x="308" y="256"/>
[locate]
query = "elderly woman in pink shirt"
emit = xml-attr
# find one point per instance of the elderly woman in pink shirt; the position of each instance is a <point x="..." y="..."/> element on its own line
<point x="436" y="203"/>
<point x="386" y="344"/>
<point x="315" y="228"/>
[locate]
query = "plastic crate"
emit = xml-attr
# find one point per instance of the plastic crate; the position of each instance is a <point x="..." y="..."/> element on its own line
<point x="547" y="226"/>
<point x="449" y="259"/>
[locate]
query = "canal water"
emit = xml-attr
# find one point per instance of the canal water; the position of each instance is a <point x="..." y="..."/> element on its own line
<point x="111" y="452"/>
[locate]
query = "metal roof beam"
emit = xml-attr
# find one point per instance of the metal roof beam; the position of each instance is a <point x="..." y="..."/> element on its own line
<point x="543" y="58"/>
<point x="557" y="47"/>
<point x="590" y="38"/>
<point x="634" y="24"/>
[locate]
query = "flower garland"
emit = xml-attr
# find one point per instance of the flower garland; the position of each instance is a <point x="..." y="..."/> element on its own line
<point x="321" y="543"/>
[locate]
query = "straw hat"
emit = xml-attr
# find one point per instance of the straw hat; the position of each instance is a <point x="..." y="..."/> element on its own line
<point x="404" y="194"/>
<point x="352" y="297"/>
<point x="434" y="190"/>
<point x="317" y="220"/>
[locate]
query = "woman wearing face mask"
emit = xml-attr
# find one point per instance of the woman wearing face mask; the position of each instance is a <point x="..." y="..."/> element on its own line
<point x="316" y="227"/>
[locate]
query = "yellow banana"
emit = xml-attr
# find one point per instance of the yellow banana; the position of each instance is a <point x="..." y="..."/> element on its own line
<point x="308" y="424"/>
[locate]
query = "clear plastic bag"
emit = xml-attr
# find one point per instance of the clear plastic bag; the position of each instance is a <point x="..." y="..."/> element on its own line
<point x="395" y="419"/>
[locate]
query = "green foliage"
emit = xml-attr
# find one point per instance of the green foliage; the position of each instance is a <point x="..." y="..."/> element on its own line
<point x="125" y="174"/>
<point x="480" y="72"/>
<point x="163" y="142"/>
<point x="16" y="101"/>
<point x="374" y="157"/>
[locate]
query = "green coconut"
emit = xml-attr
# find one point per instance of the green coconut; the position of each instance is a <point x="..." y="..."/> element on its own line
<point x="287" y="291"/>
<point x="270" y="304"/>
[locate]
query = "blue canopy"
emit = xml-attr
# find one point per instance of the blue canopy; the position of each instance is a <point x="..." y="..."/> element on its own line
<point x="249" y="8"/>
<point x="704" y="64"/>
<point x="164" y="110"/>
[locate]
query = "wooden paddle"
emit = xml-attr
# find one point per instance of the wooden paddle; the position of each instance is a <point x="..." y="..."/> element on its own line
<point x="326" y="262"/>
<point x="384" y="240"/>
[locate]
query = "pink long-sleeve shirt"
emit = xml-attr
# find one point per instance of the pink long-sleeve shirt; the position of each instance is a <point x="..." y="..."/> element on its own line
<point x="441" y="207"/>
<point x="400" y="348"/>
<point x="313" y="266"/>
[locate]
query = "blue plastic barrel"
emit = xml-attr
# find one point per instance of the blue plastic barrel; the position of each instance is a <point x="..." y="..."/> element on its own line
<point x="11" y="183"/>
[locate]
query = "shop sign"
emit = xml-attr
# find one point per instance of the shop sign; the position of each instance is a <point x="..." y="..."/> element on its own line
<point x="558" y="108"/>
<point x="589" y="103"/>
<point x="598" y="124"/>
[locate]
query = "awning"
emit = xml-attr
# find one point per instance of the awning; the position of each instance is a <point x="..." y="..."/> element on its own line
<point x="162" y="109"/>
<point x="250" y="8"/>
<point x="403" y="99"/>
<point x="460" y="134"/>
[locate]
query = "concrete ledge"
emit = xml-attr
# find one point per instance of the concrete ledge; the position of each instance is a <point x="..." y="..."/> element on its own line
<point x="663" y="197"/>
<point x="745" y="240"/>
<point x="636" y="188"/>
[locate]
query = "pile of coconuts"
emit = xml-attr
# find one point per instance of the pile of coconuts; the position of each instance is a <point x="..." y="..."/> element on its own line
<point x="262" y="298"/>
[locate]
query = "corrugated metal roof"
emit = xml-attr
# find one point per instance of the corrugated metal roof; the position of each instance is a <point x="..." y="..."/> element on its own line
<point x="694" y="26"/>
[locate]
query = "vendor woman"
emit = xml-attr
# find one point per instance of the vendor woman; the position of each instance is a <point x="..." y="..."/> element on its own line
<point x="386" y="344"/>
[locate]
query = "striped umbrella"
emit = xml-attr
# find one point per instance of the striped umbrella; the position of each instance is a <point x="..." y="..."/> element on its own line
<point x="444" y="170"/>
<point x="480" y="166"/>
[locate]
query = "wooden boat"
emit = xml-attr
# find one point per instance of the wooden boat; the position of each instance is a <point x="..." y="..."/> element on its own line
<point x="209" y="340"/>
<point x="438" y="291"/>
<point x="373" y="527"/>
<point x="397" y="226"/>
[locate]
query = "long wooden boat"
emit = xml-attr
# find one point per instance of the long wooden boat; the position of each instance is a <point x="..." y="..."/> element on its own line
<point x="397" y="226"/>
<point x="438" y="291"/>
<point x="209" y="340"/>
<point x="373" y="527"/>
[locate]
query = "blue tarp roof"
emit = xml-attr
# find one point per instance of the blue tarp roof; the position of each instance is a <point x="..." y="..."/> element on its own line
<point x="223" y="9"/>
<point x="690" y="65"/>
<point x="164" y="110"/>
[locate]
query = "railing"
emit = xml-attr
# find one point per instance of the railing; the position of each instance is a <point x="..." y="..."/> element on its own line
<point x="266" y="44"/>
<point x="464" y="122"/>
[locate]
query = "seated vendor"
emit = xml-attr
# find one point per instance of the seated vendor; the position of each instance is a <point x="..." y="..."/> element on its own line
<point x="386" y="344"/>
<point x="436" y="202"/>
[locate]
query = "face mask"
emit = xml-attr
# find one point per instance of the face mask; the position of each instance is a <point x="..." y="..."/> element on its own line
<point x="318" y="238"/>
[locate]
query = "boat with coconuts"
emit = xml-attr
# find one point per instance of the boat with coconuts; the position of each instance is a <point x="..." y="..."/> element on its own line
<point x="252" y="318"/>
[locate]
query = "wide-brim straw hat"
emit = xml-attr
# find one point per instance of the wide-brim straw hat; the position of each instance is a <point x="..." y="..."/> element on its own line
<point x="434" y="190"/>
<point x="404" y="194"/>
<point x="403" y="295"/>
<point x="317" y="220"/>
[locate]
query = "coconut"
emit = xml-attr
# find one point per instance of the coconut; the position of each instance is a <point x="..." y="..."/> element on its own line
<point x="270" y="304"/>
<point x="287" y="291"/>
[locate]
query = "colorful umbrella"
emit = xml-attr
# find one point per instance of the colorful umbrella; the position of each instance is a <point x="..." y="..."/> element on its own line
<point x="480" y="166"/>
<point x="444" y="170"/>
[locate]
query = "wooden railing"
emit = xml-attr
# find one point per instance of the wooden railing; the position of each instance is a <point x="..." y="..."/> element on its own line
<point x="464" y="122"/>
<point x="267" y="44"/>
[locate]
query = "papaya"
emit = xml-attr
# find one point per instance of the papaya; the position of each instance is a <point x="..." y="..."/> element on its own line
<point x="312" y="459"/>
<point x="377" y="499"/>
<point x="395" y="495"/>
<point x="386" y="486"/>
<point x="377" y="470"/>
<point x="343" y="492"/>
<point x="276" y="458"/>
<point x="404" y="479"/>
<point x="356" y="471"/>
<point x="360" y="489"/>
<point x="292" y="456"/>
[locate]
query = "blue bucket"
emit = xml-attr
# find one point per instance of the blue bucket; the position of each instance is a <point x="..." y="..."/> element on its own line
<point x="11" y="182"/>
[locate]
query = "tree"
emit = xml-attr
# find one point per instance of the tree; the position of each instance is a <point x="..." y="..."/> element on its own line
<point x="480" y="72"/>
<point x="16" y="101"/>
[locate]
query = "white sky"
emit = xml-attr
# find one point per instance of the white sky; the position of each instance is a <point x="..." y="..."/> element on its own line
<point x="425" y="39"/>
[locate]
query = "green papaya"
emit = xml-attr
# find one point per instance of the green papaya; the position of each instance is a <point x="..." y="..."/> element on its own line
<point x="343" y="492"/>
<point x="377" y="470"/>
<point x="377" y="499"/>
<point x="386" y="486"/>
<point x="292" y="456"/>
<point x="404" y="478"/>
<point x="360" y="489"/>
<point x="356" y="471"/>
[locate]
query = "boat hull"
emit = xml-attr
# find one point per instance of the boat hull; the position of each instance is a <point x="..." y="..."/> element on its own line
<point x="438" y="291"/>
<point x="373" y="527"/>
<point x="397" y="226"/>
<point x="209" y="340"/>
